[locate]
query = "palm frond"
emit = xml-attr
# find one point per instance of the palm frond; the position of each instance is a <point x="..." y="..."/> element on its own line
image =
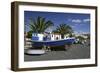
<point x="40" y="24"/>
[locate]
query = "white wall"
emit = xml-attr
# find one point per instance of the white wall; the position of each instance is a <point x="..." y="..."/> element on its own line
<point x="5" y="28"/>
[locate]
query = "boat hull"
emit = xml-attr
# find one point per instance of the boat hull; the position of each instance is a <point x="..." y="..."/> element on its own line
<point x="53" y="43"/>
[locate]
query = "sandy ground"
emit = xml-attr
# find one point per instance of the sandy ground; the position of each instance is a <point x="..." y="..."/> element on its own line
<point x="74" y="52"/>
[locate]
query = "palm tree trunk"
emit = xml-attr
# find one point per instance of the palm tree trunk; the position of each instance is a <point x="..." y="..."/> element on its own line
<point x="62" y="36"/>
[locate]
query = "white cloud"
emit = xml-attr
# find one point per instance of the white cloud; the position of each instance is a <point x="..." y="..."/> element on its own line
<point x="79" y="20"/>
<point x="76" y="20"/>
<point x="86" y="20"/>
<point x="80" y="32"/>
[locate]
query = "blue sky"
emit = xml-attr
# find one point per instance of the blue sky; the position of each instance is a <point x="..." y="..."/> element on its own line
<point x="78" y="21"/>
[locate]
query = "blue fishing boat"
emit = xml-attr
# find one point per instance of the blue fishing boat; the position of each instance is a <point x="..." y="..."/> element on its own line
<point x="48" y="42"/>
<point x="39" y="41"/>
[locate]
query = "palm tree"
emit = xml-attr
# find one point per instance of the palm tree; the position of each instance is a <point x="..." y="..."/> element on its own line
<point x="63" y="29"/>
<point x="39" y="25"/>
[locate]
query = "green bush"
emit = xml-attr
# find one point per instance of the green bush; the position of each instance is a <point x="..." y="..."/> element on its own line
<point x="29" y="34"/>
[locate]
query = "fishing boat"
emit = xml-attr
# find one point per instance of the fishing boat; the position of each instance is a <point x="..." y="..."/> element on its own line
<point x="39" y="41"/>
